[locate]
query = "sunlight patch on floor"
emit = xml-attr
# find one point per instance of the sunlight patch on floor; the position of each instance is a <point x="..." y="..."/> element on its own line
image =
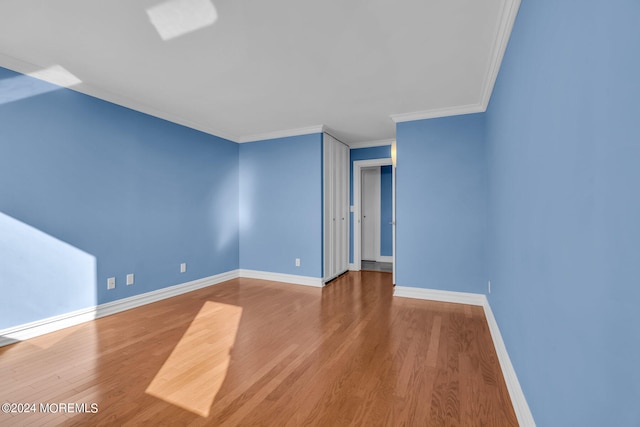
<point x="194" y="372"/>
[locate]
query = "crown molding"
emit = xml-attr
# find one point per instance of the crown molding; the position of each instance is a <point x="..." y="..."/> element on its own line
<point x="504" y="27"/>
<point x="26" y="68"/>
<point x="438" y="112"/>
<point x="281" y="134"/>
<point x="65" y="320"/>
<point x="508" y="16"/>
<point x="507" y="19"/>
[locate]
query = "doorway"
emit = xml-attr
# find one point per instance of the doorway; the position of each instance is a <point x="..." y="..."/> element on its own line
<point x="370" y="217"/>
<point x="373" y="215"/>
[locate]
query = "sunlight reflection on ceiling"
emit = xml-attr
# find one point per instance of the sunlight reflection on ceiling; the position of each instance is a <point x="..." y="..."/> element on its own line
<point x="174" y="18"/>
<point x="194" y="372"/>
<point x="57" y="75"/>
<point x="26" y="86"/>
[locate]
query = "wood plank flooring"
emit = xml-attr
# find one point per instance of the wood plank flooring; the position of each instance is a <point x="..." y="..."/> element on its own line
<point x="253" y="352"/>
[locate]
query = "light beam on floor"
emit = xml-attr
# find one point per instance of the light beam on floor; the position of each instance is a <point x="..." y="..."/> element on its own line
<point x="194" y="372"/>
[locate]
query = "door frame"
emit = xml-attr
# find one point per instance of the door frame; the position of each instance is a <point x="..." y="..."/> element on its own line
<point x="377" y="201"/>
<point x="358" y="165"/>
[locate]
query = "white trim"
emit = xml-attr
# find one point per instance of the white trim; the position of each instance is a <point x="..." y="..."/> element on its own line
<point x="393" y="213"/>
<point x="281" y="277"/>
<point x="355" y="208"/>
<point x="373" y="196"/>
<point x="25" y="67"/>
<point x="280" y="134"/>
<point x="518" y="400"/>
<point x="367" y="144"/>
<point x="439" y="112"/>
<point x="44" y="326"/>
<point x="51" y="324"/>
<point x="384" y="258"/>
<point x="352" y="267"/>
<point x="55" y="323"/>
<point x="505" y="26"/>
<point x="503" y="33"/>
<point x="372" y="162"/>
<point x="439" y="295"/>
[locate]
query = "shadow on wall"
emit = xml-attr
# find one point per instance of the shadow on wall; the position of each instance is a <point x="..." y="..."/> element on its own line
<point x="139" y="194"/>
<point x="36" y="267"/>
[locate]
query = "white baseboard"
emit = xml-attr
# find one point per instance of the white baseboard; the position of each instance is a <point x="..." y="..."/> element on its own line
<point x="281" y="277"/>
<point x="54" y="323"/>
<point x="438" y="295"/>
<point x="352" y="267"/>
<point x="520" y="406"/>
<point x="384" y="258"/>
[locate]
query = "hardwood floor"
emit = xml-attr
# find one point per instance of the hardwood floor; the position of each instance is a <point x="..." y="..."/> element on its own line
<point x="252" y="352"/>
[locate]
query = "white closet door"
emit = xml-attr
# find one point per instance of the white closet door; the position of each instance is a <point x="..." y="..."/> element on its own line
<point x="336" y="207"/>
<point x="328" y="207"/>
<point x="337" y="254"/>
<point x="344" y="203"/>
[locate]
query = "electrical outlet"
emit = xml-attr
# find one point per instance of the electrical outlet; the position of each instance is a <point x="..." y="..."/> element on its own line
<point x="111" y="283"/>
<point x="489" y="286"/>
<point x="297" y="262"/>
<point x="183" y="267"/>
<point x="130" y="279"/>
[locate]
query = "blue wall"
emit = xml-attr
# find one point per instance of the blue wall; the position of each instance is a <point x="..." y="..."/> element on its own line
<point x="564" y="157"/>
<point x="441" y="204"/>
<point x="281" y="205"/>
<point x="386" y="211"/>
<point x="114" y="190"/>
<point x="369" y="153"/>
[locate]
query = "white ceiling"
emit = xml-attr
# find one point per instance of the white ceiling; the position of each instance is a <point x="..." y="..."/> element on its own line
<point x="270" y="68"/>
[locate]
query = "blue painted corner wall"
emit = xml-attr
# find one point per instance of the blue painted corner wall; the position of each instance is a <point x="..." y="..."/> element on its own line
<point x="90" y="190"/>
<point x="281" y="205"/>
<point x="538" y="195"/>
<point x="441" y="204"/>
<point x="564" y="155"/>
